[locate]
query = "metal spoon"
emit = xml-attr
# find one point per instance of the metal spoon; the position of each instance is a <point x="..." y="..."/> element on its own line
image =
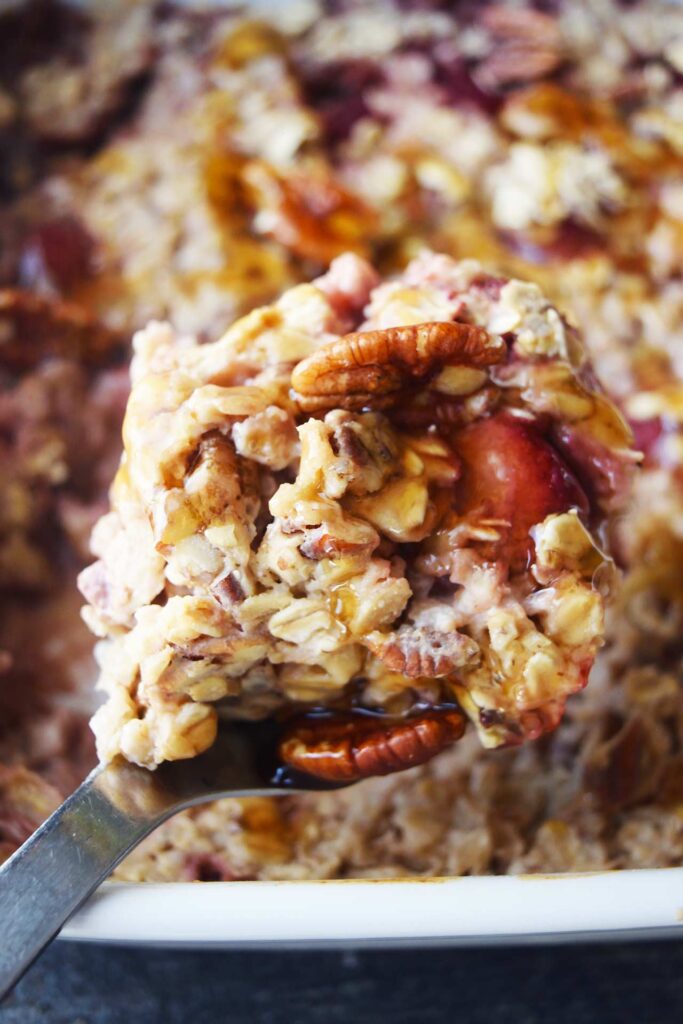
<point x="55" y="871"/>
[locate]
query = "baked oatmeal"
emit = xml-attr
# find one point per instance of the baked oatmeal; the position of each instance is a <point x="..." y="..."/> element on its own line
<point x="386" y="493"/>
<point x="221" y="156"/>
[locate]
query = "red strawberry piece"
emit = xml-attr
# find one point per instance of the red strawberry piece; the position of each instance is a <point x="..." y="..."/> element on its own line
<point x="510" y="472"/>
<point x="58" y="254"/>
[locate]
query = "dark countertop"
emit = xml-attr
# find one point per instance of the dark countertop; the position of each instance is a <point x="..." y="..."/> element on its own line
<point x="576" y="984"/>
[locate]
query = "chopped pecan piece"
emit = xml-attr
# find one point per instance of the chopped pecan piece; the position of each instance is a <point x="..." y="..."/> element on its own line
<point x="313" y="217"/>
<point x="417" y="651"/>
<point x="345" y="748"/>
<point x="228" y="591"/>
<point x="321" y="544"/>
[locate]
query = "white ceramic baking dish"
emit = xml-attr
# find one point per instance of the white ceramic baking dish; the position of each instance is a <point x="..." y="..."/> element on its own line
<point x="468" y="911"/>
<point x="600" y="905"/>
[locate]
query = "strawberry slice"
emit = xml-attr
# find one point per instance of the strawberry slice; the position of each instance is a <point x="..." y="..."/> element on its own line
<point x="511" y="473"/>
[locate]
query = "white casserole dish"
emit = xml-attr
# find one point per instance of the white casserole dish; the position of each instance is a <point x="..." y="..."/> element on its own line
<point x="465" y="911"/>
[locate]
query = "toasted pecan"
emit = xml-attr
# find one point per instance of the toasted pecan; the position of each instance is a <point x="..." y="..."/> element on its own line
<point x="345" y="748"/>
<point x="33" y="328"/>
<point x="315" y="218"/>
<point x="372" y="368"/>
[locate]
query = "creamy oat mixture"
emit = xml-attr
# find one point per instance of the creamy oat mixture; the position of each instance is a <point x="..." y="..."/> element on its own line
<point x="191" y="165"/>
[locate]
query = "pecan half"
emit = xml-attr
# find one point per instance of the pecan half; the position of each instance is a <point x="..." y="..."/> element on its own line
<point x="313" y="217"/>
<point x="527" y="45"/>
<point x="33" y="328"/>
<point x="345" y="748"/>
<point x="373" y="368"/>
<point x="627" y="766"/>
<point x="72" y="101"/>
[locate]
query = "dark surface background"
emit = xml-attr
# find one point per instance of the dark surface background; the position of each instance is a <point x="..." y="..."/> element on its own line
<point x="581" y="984"/>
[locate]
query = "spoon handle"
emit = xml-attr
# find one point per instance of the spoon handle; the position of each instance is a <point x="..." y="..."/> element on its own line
<point x="119" y="804"/>
<point x="51" y="875"/>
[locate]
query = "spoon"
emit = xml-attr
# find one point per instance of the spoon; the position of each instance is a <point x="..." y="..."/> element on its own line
<point x="118" y="805"/>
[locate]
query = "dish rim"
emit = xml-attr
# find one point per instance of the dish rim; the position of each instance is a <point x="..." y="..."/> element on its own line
<point x="473" y="910"/>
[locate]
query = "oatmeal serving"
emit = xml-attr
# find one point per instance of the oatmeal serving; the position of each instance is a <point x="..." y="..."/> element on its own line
<point x="191" y="163"/>
<point x="393" y="495"/>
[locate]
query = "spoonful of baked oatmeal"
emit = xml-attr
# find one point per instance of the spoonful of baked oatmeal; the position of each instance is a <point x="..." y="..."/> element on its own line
<point x="372" y="511"/>
<point x="368" y="515"/>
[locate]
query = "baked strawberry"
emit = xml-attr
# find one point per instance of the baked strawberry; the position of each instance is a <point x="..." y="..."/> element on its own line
<point x="511" y="474"/>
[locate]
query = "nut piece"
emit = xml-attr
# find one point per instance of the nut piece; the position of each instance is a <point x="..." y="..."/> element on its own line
<point x="374" y="367"/>
<point x="345" y="748"/>
<point x="33" y="328"/>
<point x="626" y="767"/>
<point x="527" y="45"/>
<point x="417" y="651"/>
<point x="315" y="218"/>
